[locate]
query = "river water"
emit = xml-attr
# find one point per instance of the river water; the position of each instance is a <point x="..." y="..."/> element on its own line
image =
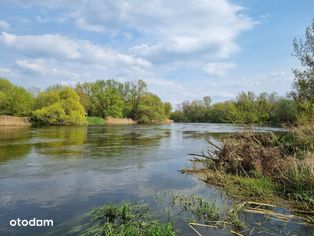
<point x="60" y="173"/>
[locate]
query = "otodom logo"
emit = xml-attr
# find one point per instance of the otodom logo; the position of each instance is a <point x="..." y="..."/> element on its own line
<point x="32" y="222"/>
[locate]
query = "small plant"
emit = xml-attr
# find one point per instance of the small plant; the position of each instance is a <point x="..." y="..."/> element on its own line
<point x="126" y="220"/>
<point x="203" y="211"/>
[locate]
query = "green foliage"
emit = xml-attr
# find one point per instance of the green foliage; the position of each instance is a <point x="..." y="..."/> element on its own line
<point x="111" y="98"/>
<point x="93" y="120"/>
<point x="285" y="111"/>
<point x="260" y="186"/>
<point x="167" y="108"/>
<point x="106" y="99"/>
<point x="14" y="100"/>
<point x="303" y="92"/>
<point x="246" y="109"/>
<point x="150" y="109"/>
<point x="59" y="106"/>
<point x="304" y="79"/>
<point x="126" y="220"/>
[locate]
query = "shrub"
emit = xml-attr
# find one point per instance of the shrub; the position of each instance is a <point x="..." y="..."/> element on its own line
<point x="63" y="108"/>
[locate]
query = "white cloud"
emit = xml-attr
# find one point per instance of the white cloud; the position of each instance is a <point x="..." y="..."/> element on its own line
<point x="218" y="69"/>
<point x="176" y="28"/>
<point x="52" y="58"/>
<point x="4" y="25"/>
<point x="206" y="27"/>
<point x="65" y="48"/>
<point x="159" y="39"/>
<point x="48" y="44"/>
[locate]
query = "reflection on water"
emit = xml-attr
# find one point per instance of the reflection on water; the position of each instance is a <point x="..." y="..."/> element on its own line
<point x="60" y="173"/>
<point x="14" y="142"/>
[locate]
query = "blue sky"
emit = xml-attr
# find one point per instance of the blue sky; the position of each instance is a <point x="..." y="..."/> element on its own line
<point x="183" y="49"/>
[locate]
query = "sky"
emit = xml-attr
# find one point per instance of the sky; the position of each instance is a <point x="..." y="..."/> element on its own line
<point x="182" y="49"/>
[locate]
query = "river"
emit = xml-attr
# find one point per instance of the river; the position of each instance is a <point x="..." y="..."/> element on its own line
<point x="60" y="173"/>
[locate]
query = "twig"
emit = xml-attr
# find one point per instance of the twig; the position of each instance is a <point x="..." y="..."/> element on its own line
<point x="203" y="225"/>
<point x="236" y="233"/>
<point x="211" y="143"/>
<point x="261" y="204"/>
<point x="198" y="233"/>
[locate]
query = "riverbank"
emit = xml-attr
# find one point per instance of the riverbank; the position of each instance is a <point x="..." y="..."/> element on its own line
<point x="25" y="121"/>
<point x="14" y="121"/>
<point x="266" y="167"/>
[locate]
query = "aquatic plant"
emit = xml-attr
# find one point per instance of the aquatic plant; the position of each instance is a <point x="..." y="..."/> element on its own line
<point x="126" y="219"/>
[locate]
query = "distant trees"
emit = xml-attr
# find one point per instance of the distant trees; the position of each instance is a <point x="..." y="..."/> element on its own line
<point x="59" y="106"/>
<point x="247" y="108"/>
<point x="63" y="105"/>
<point x="132" y="100"/>
<point x="14" y="100"/>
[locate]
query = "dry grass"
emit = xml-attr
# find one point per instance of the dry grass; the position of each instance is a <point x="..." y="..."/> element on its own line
<point x="287" y="160"/>
<point x="14" y="121"/>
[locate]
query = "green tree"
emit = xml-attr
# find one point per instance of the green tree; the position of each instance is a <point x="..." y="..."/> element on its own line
<point x="133" y="98"/>
<point x="285" y="111"/>
<point x="303" y="92"/>
<point x="63" y="109"/>
<point x="150" y="109"/>
<point x="14" y="100"/>
<point x="106" y="99"/>
<point x="304" y="79"/>
<point x="167" y="108"/>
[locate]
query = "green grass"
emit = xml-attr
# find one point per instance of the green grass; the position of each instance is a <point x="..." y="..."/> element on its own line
<point x="93" y="120"/>
<point x="126" y="220"/>
<point x="208" y="212"/>
<point x="258" y="187"/>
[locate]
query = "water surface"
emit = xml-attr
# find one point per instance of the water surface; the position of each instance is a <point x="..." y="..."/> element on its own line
<point x="60" y="173"/>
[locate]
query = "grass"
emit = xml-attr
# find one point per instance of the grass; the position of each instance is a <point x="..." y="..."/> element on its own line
<point x="126" y="219"/>
<point x="257" y="187"/>
<point x="93" y="120"/>
<point x="208" y="213"/>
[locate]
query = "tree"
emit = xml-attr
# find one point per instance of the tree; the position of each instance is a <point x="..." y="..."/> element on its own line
<point x="106" y="99"/>
<point x="303" y="92"/>
<point x="14" y="100"/>
<point x="150" y="109"/>
<point x="134" y="97"/>
<point x="285" y="111"/>
<point x="304" y="79"/>
<point x="62" y="108"/>
<point x="167" y="108"/>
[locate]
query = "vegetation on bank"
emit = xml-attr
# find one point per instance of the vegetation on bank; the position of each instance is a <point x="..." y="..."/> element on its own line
<point x="263" y="164"/>
<point x="138" y="220"/>
<point x="92" y="120"/>
<point x="64" y="105"/>
<point x="201" y="217"/>
<point x="247" y="108"/>
<point x="126" y="220"/>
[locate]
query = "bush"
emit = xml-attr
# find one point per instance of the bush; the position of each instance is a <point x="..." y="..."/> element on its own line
<point x="150" y="109"/>
<point x="62" y="108"/>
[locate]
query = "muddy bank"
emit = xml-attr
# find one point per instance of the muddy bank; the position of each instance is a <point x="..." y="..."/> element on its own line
<point x="14" y="121"/>
<point x="127" y="121"/>
<point x="119" y="121"/>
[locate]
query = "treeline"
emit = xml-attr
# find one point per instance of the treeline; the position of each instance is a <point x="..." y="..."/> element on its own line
<point x="247" y="108"/>
<point x="64" y="105"/>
